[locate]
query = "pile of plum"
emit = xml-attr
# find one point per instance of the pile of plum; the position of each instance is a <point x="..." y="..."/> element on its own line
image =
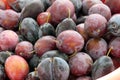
<point x="59" y="39"/>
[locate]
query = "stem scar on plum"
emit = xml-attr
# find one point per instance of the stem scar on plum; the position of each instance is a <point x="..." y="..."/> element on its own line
<point x="75" y="52"/>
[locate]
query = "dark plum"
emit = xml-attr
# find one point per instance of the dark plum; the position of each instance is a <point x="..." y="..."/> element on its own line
<point x="17" y="5"/>
<point x="2" y="73"/>
<point x="47" y="29"/>
<point x="32" y="9"/>
<point x="102" y="9"/>
<point x="81" y="29"/>
<point x="4" y="55"/>
<point x="9" y="19"/>
<point x="44" y="44"/>
<point x="95" y="25"/>
<point x="66" y="24"/>
<point x="53" y="69"/>
<point x="46" y="3"/>
<point x="114" y="45"/>
<point x="116" y="62"/>
<point x="70" y="41"/>
<point x="29" y="29"/>
<point x="96" y="47"/>
<point x="32" y="76"/>
<point x="54" y="53"/>
<point x="114" y="25"/>
<point x="24" y="49"/>
<point x="8" y="40"/>
<point x="43" y="17"/>
<point x="60" y="9"/>
<point x="81" y="19"/>
<point x="34" y="61"/>
<point x="78" y="5"/>
<point x="114" y="5"/>
<point x="102" y="67"/>
<point x="84" y="78"/>
<point x="86" y="4"/>
<point x="80" y="64"/>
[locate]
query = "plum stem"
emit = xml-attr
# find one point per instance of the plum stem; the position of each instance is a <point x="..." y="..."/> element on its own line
<point x="75" y="52"/>
<point x="109" y="51"/>
<point x="48" y="17"/>
<point x="19" y="26"/>
<point x="68" y="12"/>
<point x="35" y="71"/>
<point x="31" y="52"/>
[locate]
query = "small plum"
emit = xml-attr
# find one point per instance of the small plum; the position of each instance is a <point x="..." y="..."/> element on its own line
<point x="114" y="45"/>
<point x="86" y="4"/>
<point x="24" y="49"/>
<point x="95" y="25"/>
<point x="44" y="44"/>
<point x="102" y="9"/>
<point x="81" y="29"/>
<point x="80" y="64"/>
<point x="61" y="9"/>
<point x="8" y="40"/>
<point x="9" y="19"/>
<point x="70" y="41"/>
<point x="43" y="17"/>
<point x="96" y="47"/>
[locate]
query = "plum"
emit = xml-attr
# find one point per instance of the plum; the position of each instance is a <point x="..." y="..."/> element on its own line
<point x="43" y="17"/>
<point x="4" y="55"/>
<point x="2" y="73"/>
<point x="86" y="4"/>
<point x="102" y="67"/>
<point x="95" y="25"/>
<point x="96" y="47"/>
<point x="114" y="25"/>
<point x="80" y="64"/>
<point x="32" y="9"/>
<point x="66" y="24"/>
<point x="53" y="69"/>
<point x="9" y="19"/>
<point x="78" y="5"/>
<point x="102" y="9"/>
<point x="46" y="29"/>
<point x="44" y="44"/>
<point x="24" y="49"/>
<point x="114" y="5"/>
<point x="116" y="62"/>
<point x="32" y="76"/>
<point x="17" y="5"/>
<point x="81" y="19"/>
<point x="69" y="42"/>
<point x="114" y="45"/>
<point x="81" y="29"/>
<point x="33" y="62"/>
<point x="16" y="67"/>
<point x="29" y="29"/>
<point x="8" y="40"/>
<point x="60" y="9"/>
<point x="54" y="53"/>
